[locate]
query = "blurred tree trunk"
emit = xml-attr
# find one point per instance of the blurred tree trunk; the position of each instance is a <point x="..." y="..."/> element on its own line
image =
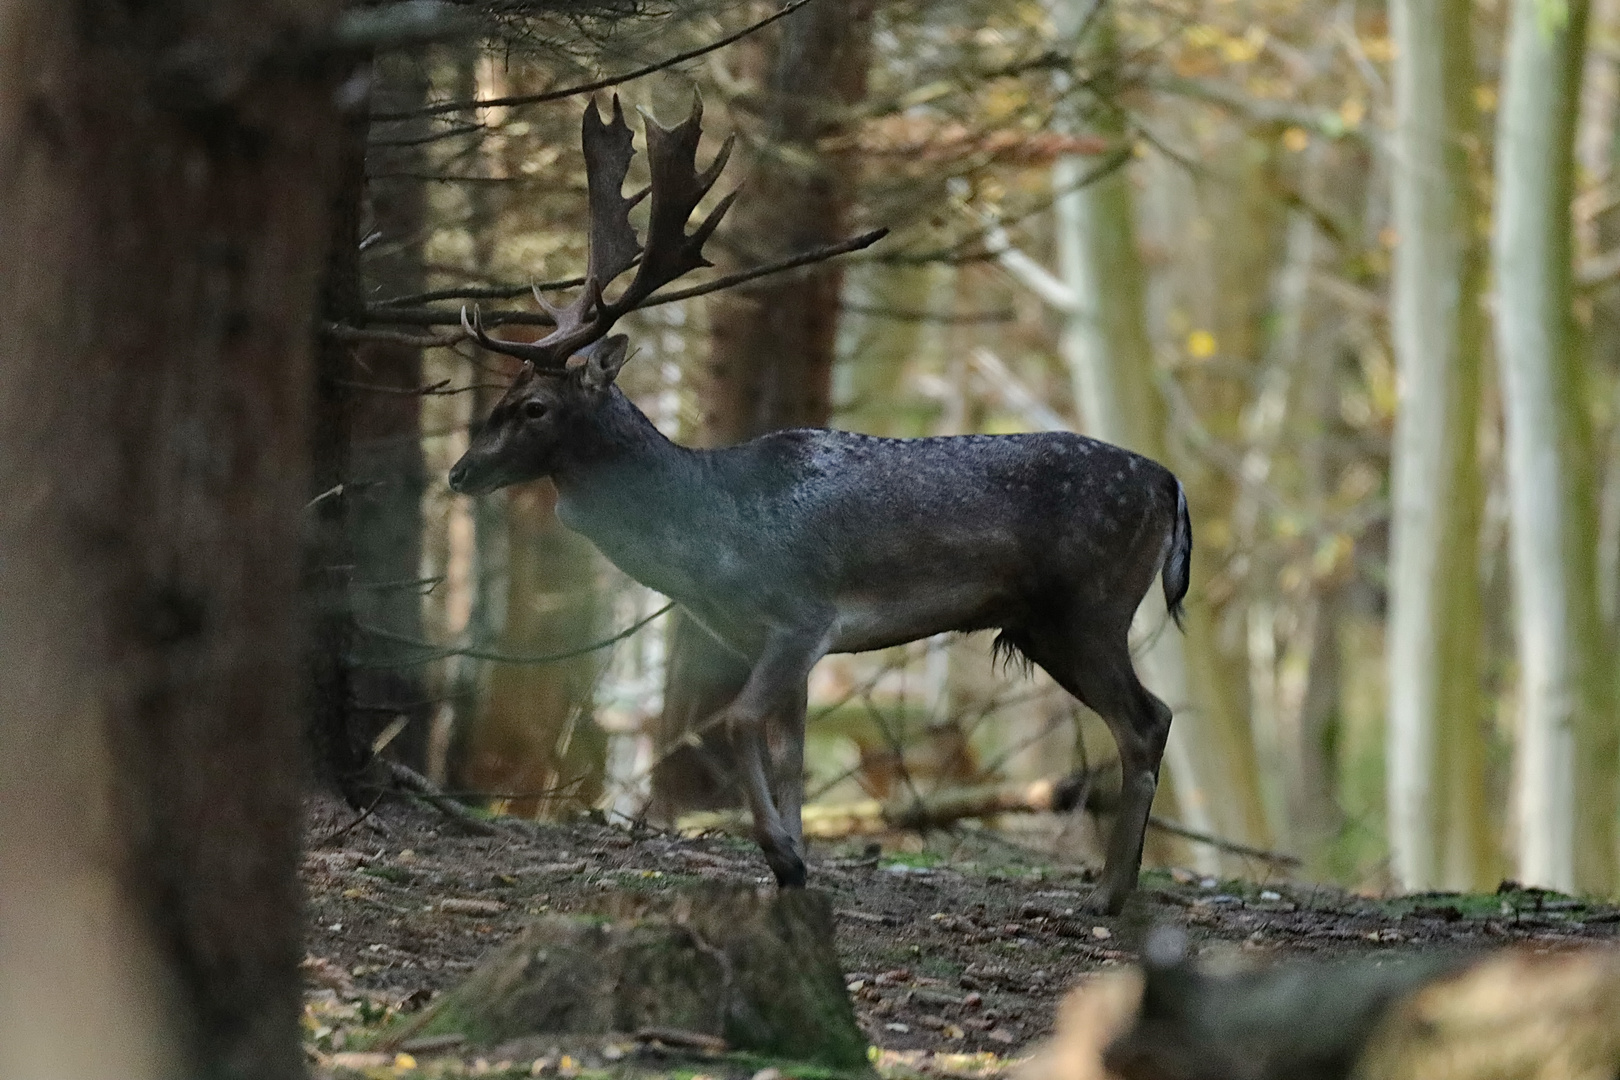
<point x="1567" y="734"/>
<point x="534" y="736"/>
<point x="166" y="174"/>
<point x="386" y="472"/>
<point x="1106" y="347"/>
<point x="772" y="342"/>
<point x="339" y="746"/>
<point x="1438" y="822"/>
<point x="535" y="743"/>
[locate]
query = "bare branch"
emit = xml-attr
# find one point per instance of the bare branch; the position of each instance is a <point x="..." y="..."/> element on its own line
<point x="480" y="292"/>
<point x="590" y="87"/>
<point x="342" y="332"/>
<point x="429" y="316"/>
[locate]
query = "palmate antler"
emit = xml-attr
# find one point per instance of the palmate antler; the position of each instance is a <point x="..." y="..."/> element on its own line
<point x="677" y="187"/>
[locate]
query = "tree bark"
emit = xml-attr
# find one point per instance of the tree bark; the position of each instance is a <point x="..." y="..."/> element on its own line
<point x="1438" y="828"/>
<point x="340" y="747"/>
<point x="772" y="341"/>
<point x="166" y="173"/>
<point x="386" y="470"/>
<point x="1567" y="736"/>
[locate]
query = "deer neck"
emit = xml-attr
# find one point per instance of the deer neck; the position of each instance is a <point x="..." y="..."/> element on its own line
<point x="624" y="486"/>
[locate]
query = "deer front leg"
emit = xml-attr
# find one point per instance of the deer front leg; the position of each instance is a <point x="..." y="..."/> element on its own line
<point x="776" y="688"/>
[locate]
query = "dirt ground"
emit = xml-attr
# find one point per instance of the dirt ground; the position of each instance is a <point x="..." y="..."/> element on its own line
<point x="960" y="952"/>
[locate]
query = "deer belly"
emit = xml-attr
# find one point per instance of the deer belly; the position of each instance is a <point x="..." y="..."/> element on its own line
<point x="867" y="621"/>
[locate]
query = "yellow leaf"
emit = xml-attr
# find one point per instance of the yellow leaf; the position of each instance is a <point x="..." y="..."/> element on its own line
<point x="1485" y="98"/>
<point x="1201" y="344"/>
<point x="1296" y="139"/>
<point x="404" y="1061"/>
<point x="1380" y="50"/>
<point x="1352" y="112"/>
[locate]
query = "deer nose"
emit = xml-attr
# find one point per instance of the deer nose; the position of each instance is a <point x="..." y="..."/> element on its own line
<point x="458" y="475"/>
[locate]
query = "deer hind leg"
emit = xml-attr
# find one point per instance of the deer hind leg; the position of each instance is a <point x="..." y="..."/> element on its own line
<point x="790" y="770"/>
<point x="776" y="690"/>
<point x="1098" y="671"/>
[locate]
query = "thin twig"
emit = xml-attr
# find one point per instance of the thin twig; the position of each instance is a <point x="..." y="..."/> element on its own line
<point x="437" y="136"/>
<point x="436" y="653"/>
<point x="343" y="332"/>
<point x="344" y="830"/>
<point x="477" y="292"/>
<point x="1175" y="828"/>
<point x="586" y="88"/>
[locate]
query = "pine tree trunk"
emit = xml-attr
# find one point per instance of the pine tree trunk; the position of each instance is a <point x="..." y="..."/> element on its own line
<point x="1567" y="736"/>
<point x="386" y="471"/>
<point x="772" y="341"/>
<point x="166" y="174"/>
<point x="1437" y="820"/>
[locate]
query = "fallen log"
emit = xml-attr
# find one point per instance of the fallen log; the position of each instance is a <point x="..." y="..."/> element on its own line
<point x="745" y="969"/>
<point x="1510" y="1014"/>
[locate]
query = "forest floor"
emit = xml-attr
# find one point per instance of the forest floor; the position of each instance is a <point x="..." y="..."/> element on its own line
<point x="956" y="957"/>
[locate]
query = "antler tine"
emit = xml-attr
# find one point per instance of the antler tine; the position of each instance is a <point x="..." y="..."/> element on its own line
<point x="608" y="150"/>
<point x="608" y="147"/>
<point x="539" y="353"/>
<point x="677" y="188"/>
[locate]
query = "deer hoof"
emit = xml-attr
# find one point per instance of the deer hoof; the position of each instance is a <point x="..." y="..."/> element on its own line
<point x="1106" y="901"/>
<point x="789" y="869"/>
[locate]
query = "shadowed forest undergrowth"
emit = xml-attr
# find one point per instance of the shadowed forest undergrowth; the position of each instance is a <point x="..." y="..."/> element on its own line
<point x="955" y="957"/>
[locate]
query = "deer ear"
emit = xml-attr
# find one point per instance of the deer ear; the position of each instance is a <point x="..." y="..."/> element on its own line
<point x="604" y="361"/>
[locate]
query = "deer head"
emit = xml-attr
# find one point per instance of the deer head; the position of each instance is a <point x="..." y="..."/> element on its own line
<point x="568" y="374"/>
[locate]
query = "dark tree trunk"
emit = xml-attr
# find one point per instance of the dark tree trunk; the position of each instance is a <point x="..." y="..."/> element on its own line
<point x="166" y="171"/>
<point x="387" y="474"/>
<point x="339" y="745"/>
<point x="771" y="342"/>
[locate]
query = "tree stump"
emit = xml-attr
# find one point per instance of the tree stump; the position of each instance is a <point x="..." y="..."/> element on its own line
<point x="754" y="968"/>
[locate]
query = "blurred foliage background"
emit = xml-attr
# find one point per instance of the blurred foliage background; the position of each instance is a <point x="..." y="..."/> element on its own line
<point x="1251" y="238"/>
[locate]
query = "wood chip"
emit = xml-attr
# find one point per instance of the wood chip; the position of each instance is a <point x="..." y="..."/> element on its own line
<point x="431" y="1044"/>
<point x="867" y="917"/>
<point x="471" y="907"/>
<point x="694" y="1040"/>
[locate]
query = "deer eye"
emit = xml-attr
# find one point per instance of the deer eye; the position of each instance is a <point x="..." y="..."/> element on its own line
<point x="533" y="410"/>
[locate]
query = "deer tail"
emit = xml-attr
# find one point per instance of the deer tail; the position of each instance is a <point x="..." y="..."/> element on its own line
<point x="1177" y="569"/>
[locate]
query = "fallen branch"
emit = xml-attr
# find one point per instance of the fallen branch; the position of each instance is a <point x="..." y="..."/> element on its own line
<point x="427" y="791"/>
<point x="941" y="809"/>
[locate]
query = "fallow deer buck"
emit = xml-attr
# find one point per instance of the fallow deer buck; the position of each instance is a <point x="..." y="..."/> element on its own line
<point x="808" y="542"/>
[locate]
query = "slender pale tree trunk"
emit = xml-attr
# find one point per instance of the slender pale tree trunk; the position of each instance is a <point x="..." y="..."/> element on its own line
<point x="537" y="743"/>
<point x="1109" y="355"/>
<point x="1437" y="822"/>
<point x="1567" y="737"/>
<point x="166" y="170"/>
